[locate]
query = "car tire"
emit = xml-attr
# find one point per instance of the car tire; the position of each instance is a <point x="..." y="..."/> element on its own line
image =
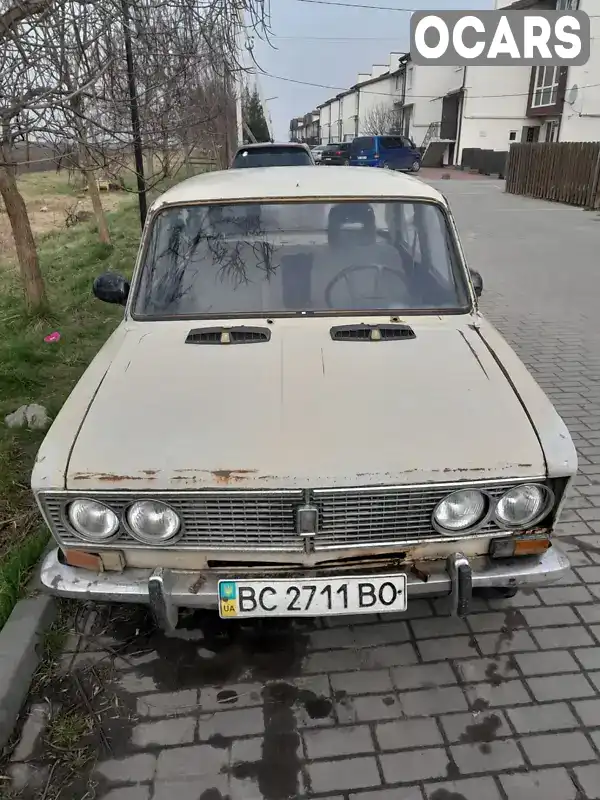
<point x="385" y="165"/>
<point x="496" y="592"/>
<point x="416" y="165"/>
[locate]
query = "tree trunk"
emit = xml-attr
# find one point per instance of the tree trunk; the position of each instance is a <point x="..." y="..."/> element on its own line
<point x="31" y="276"/>
<point x="103" y="232"/>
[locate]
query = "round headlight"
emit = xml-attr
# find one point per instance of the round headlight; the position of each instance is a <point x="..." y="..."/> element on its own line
<point x="460" y="510"/>
<point x="92" y="520"/>
<point x="522" y="505"/>
<point x="152" y="522"/>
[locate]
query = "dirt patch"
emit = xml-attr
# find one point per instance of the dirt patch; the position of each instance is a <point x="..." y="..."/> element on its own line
<point x="48" y="196"/>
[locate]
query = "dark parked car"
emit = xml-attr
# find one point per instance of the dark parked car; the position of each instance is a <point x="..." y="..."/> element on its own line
<point x="288" y="154"/>
<point x="386" y="152"/>
<point x="336" y="154"/>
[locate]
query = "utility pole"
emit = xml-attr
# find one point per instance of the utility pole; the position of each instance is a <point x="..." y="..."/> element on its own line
<point x="239" y="83"/>
<point x="135" y="114"/>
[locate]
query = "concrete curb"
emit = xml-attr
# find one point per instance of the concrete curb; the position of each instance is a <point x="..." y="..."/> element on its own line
<point x="20" y="653"/>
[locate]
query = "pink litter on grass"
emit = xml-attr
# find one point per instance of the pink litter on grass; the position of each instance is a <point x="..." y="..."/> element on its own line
<point x="52" y="337"/>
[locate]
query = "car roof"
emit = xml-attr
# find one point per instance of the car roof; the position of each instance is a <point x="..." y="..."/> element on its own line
<point x="302" y="182"/>
<point x="267" y="145"/>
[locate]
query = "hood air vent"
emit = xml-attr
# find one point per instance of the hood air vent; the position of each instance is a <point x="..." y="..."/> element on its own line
<point x="240" y="335"/>
<point x="371" y="333"/>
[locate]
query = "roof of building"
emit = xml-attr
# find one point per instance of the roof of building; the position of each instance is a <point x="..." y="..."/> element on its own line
<point x="308" y="182"/>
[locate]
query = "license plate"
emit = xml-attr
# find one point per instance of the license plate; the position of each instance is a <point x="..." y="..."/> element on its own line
<point x="318" y="597"/>
<point x="362" y="158"/>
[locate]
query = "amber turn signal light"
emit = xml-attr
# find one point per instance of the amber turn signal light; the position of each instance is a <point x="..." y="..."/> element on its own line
<point x="506" y="548"/>
<point x="79" y="558"/>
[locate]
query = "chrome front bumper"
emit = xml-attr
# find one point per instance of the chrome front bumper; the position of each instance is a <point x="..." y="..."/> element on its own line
<point x="168" y="590"/>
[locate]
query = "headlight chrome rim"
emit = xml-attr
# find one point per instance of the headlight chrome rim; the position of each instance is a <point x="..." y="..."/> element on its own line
<point x="545" y="508"/>
<point x="473" y="528"/>
<point x="144" y="538"/>
<point x="84" y="535"/>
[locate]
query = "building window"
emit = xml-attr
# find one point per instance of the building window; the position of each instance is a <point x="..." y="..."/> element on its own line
<point x="545" y="87"/>
<point x="512" y="136"/>
<point x="552" y="131"/>
<point x="567" y="5"/>
<point x="398" y="81"/>
<point x="409" y="78"/>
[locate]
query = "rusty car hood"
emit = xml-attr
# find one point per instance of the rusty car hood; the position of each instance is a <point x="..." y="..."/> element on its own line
<point x="302" y="410"/>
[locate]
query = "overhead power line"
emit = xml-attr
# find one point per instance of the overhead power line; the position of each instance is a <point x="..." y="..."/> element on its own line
<point x="358" y="5"/>
<point x="413" y="96"/>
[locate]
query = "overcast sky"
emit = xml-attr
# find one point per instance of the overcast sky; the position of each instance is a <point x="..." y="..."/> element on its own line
<point x="304" y="35"/>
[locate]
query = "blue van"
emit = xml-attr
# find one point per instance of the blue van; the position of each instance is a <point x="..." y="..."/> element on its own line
<point x="387" y="152"/>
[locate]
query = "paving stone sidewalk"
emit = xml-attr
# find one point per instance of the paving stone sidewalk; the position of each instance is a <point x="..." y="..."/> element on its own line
<point x="502" y="706"/>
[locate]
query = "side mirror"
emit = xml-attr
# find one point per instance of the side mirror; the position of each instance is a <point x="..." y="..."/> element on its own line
<point x="477" y="282"/>
<point x="111" y="288"/>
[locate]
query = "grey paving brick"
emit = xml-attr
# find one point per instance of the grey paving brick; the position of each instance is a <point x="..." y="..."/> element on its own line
<point x="559" y="595"/>
<point x="407" y="733"/>
<point x="546" y="617"/>
<point x="589" y="574"/>
<point x="423" y="676"/>
<point x="240" y="722"/>
<point x="227" y="697"/>
<point x="333" y="661"/>
<point x="140" y="792"/>
<point x="474" y="726"/>
<point x="469" y="789"/>
<point x="168" y="704"/>
<point x="415" y="610"/>
<point x="393" y="655"/>
<point x="338" y="742"/>
<point x="589" y="712"/>
<point x="487" y="669"/>
<point x="589" y="613"/>
<point x="385" y="633"/>
<point x="441" y="700"/>
<point x="376" y="707"/>
<point x="589" y="778"/>
<point x="595" y="679"/>
<point x="438" y="626"/>
<point x="472" y="759"/>
<point x="564" y="688"/>
<point x="521" y="600"/>
<point x="197" y="787"/>
<point x="548" y="663"/>
<point x="518" y="641"/>
<point x="571" y="636"/>
<point x="340" y="776"/>
<point x="558" y="748"/>
<point x="134" y="683"/>
<point x="249" y="750"/>
<point x="131" y="769"/>
<point x="414" y="765"/>
<point x="367" y="681"/>
<point x="443" y="648"/>
<point x="595" y="629"/>
<point x="399" y="793"/>
<point x="492" y="621"/>
<point x="180" y="763"/>
<point x="165" y="732"/>
<point x="544" y="717"/>
<point x="507" y="693"/>
<point x="332" y="638"/>
<point x="548" y="784"/>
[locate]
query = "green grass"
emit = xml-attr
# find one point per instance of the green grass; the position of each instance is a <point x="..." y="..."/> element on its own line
<point x="32" y="371"/>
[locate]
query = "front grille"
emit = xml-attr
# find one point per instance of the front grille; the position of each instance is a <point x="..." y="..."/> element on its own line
<point x="266" y="520"/>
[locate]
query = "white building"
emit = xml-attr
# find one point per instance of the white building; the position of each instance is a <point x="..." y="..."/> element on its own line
<point x="500" y="105"/>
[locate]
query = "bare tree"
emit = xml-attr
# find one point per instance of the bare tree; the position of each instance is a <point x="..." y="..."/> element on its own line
<point x="381" y="119"/>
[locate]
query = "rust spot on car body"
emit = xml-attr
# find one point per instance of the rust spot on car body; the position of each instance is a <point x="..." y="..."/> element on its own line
<point x="109" y="477"/>
<point x="226" y="476"/>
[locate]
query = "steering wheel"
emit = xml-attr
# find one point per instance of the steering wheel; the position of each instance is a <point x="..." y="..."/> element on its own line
<point x="378" y="269"/>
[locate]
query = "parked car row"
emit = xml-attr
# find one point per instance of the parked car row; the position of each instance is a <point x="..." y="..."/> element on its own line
<point x="386" y="152"/>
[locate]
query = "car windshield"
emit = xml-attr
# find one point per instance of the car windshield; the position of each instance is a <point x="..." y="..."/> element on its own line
<point x="271" y="157"/>
<point x="296" y="258"/>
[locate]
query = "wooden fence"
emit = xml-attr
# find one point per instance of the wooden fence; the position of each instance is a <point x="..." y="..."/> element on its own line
<point x="568" y="172"/>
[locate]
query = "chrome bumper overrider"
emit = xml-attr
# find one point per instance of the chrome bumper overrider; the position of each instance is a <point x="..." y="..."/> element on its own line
<point x="168" y="590"/>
